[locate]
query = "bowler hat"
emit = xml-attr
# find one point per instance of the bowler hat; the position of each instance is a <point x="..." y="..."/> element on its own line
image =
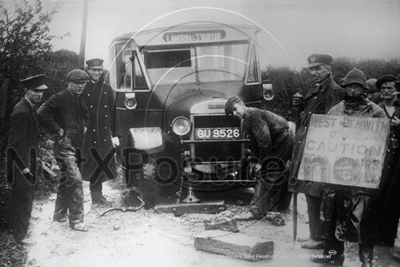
<point x="34" y="82"/>
<point x="355" y="76"/>
<point x="319" y="59"/>
<point x="77" y="75"/>
<point x="95" y="62"/>
<point x="387" y="78"/>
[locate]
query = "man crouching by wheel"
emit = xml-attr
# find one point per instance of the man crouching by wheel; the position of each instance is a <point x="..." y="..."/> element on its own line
<point x="271" y="144"/>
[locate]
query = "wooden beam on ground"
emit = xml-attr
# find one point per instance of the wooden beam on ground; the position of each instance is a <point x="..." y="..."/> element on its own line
<point x="234" y="245"/>
<point x="187" y="208"/>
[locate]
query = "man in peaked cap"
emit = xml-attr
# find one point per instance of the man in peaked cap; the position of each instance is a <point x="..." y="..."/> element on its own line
<point x="323" y="94"/>
<point x="103" y="133"/>
<point x="22" y="138"/>
<point x="66" y="116"/>
<point x="350" y="213"/>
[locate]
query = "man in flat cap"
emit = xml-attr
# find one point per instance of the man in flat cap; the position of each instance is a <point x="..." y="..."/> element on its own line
<point x="271" y="142"/>
<point x="103" y="132"/>
<point x="22" y="138"/>
<point x="373" y="93"/>
<point x="388" y="86"/>
<point x="323" y="94"/>
<point x="66" y="116"/>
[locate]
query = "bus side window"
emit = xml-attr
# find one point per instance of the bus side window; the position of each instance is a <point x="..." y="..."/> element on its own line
<point x="139" y="81"/>
<point x="252" y="72"/>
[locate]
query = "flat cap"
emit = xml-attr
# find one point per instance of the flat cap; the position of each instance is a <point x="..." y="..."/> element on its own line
<point x="77" y="75"/>
<point x="319" y="59"/>
<point x="385" y="79"/>
<point x="230" y="103"/>
<point x="371" y="85"/>
<point x="95" y="63"/>
<point x="34" y="82"/>
<point x="355" y="76"/>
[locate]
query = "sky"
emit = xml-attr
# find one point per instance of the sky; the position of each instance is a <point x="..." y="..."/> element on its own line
<point x="291" y="29"/>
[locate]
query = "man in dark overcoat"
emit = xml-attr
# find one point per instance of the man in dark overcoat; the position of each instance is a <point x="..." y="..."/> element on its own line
<point x="324" y="94"/>
<point x="389" y="86"/>
<point x="66" y="116"/>
<point x="103" y="132"/>
<point x="22" y="138"/>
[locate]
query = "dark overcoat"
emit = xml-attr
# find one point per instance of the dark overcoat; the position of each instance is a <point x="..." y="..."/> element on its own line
<point x="23" y="130"/>
<point x="390" y="183"/>
<point x="318" y="100"/>
<point x="99" y="97"/>
<point x="22" y="137"/>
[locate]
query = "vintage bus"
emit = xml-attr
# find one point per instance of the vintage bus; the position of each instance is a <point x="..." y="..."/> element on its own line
<point x="171" y="88"/>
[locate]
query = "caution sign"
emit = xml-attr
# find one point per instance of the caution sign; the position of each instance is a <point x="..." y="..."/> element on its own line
<point x="345" y="150"/>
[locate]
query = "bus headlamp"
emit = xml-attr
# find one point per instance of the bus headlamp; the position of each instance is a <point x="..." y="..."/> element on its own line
<point x="130" y="101"/>
<point x="268" y="92"/>
<point x="180" y="125"/>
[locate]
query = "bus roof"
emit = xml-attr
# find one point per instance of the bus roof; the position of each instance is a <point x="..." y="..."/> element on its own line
<point x="198" y="32"/>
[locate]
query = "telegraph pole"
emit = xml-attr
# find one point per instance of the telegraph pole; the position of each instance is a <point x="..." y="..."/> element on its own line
<point x="83" y="35"/>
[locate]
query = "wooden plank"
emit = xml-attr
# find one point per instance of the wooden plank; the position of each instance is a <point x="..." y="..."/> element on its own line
<point x="223" y="224"/>
<point x="234" y="245"/>
<point x="187" y="208"/>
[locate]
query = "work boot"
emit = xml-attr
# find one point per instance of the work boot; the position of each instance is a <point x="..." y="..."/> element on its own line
<point x="98" y="198"/>
<point x="365" y="252"/>
<point x="335" y="260"/>
<point x="60" y="217"/>
<point x="313" y="244"/>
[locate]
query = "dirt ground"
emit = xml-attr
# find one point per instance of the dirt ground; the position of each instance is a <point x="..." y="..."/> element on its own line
<point x="149" y="238"/>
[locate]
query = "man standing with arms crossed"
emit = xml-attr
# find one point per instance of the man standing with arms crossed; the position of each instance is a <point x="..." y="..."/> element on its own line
<point x="66" y="116"/>
<point x="104" y="129"/>
<point x="319" y="99"/>
<point x="22" y="138"/>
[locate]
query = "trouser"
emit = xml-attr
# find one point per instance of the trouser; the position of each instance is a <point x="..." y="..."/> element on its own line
<point x="265" y="199"/>
<point x="21" y="205"/>
<point x="271" y="188"/>
<point x="96" y="185"/>
<point x="70" y="189"/>
<point x="313" y="210"/>
<point x="335" y="248"/>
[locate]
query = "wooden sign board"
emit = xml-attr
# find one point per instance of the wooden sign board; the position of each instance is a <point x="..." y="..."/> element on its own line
<point x="346" y="151"/>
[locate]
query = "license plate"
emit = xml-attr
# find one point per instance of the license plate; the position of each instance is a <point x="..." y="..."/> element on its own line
<point x="217" y="133"/>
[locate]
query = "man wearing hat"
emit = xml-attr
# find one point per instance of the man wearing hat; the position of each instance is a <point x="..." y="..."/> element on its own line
<point x="66" y="116"/>
<point x="104" y="129"/>
<point x="388" y="86"/>
<point x="271" y="142"/>
<point x="373" y="93"/>
<point x="350" y="213"/>
<point x="22" y="138"/>
<point x="324" y="94"/>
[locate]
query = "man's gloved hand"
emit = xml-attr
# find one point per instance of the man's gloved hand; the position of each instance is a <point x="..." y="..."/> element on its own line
<point x="29" y="176"/>
<point x="254" y="169"/>
<point x="115" y="141"/>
